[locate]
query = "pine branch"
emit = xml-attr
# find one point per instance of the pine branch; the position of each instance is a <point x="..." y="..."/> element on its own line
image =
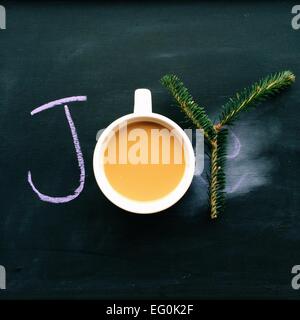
<point x="196" y="113"/>
<point x="258" y="92"/>
<point x="216" y="135"/>
<point x="217" y="174"/>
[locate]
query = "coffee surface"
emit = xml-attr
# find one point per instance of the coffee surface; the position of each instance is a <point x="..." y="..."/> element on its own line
<point x="144" y="161"/>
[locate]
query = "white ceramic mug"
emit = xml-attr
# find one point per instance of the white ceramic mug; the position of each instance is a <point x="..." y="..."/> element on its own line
<point x="143" y="112"/>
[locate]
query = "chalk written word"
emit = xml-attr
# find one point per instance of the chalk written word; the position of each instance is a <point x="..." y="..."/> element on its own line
<point x="296" y="279"/>
<point x="199" y="152"/>
<point x="80" y="160"/>
<point x="296" y="19"/>
<point x="2" y="278"/>
<point x="2" y="17"/>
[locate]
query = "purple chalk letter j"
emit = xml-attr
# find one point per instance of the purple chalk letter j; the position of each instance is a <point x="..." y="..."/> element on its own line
<point x="76" y="193"/>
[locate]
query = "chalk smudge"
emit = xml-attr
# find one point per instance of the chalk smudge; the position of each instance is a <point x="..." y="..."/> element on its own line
<point x="245" y="168"/>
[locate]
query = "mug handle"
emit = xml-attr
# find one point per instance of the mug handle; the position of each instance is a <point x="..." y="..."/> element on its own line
<point x="142" y="101"/>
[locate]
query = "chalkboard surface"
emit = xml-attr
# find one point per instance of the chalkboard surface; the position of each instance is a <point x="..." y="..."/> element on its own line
<point x="87" y="247"/>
